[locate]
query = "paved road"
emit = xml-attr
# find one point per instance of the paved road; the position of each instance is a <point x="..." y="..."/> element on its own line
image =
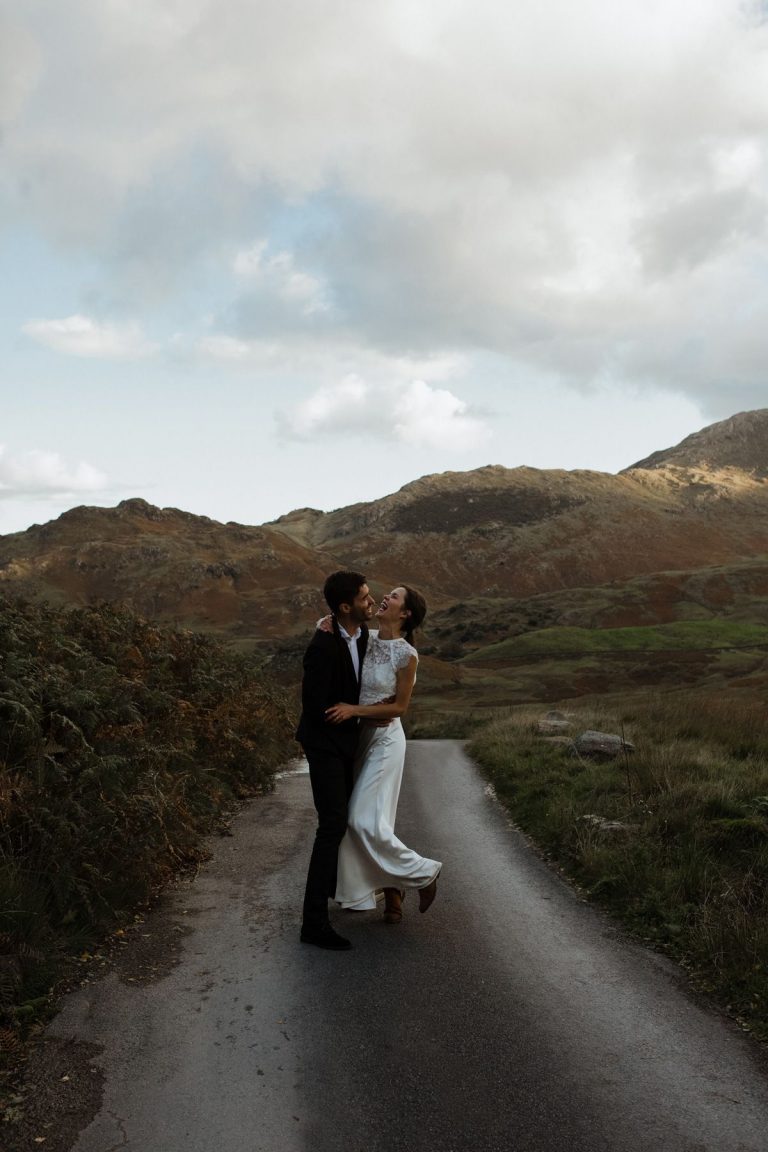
<point x="510" y="1016"/>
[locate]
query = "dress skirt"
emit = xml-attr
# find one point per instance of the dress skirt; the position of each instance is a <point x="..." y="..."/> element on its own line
<point x="371" y="856"/>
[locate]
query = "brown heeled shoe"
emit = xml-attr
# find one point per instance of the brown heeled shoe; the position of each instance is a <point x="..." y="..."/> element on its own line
<point x="393" y="905"/>
<point x="427" y="895"/>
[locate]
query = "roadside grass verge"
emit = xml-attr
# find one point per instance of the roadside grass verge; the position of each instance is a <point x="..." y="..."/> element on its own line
<point x="443" y="724"/>
<point x="688" y="869"/>
<point x="121" y="744"/>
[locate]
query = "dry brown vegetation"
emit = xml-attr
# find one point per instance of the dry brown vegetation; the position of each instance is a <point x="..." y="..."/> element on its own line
<point x="121" y="742"/>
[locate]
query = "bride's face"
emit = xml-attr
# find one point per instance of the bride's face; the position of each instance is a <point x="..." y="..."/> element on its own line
<point x="393" y="607"/>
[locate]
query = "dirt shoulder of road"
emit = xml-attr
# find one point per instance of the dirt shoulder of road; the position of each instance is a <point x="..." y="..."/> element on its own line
<point x="57" y="1088"/>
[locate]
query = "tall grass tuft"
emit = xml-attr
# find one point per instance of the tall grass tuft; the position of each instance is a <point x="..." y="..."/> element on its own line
<point x="688" y="867"/>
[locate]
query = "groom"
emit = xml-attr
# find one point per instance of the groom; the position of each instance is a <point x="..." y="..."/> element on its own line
<point x="332" y="665"/>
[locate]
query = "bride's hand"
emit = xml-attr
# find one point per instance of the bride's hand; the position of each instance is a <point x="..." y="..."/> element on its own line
<point x="326" y="624"/>
<point x="339" y="713"/>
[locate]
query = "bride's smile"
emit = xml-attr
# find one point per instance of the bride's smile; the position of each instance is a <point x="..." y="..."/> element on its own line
<point x="392" y="606"/>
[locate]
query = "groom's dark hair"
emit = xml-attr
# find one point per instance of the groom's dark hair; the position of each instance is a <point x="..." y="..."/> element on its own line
<point x="341" y="588"/>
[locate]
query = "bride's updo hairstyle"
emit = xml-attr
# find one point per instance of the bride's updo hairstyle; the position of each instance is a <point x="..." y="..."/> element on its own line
<point x="417" y="606"/>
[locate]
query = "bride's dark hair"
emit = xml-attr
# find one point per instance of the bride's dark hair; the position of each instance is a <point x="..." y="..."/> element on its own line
<point x="417" y="607"/>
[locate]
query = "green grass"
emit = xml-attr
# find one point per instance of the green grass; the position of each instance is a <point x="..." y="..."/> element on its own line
<point x="683" y="635"/>
<point x="443" y="723"/>
<point x="690" y="871"/>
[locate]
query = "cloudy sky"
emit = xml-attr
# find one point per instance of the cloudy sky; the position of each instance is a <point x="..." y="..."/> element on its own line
<point x="263" y="254"/>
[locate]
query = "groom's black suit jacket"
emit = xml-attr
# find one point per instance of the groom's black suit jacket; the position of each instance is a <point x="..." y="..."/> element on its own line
<point x="329" y="678"/>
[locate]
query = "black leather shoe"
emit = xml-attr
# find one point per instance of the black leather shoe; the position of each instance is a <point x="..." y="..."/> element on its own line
<point x="325" y="937"/>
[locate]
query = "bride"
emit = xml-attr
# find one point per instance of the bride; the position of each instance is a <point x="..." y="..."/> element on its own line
<point x="371" y="856"/>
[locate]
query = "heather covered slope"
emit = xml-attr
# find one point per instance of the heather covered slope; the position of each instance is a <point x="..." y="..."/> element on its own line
<point x="497" y="551"/>
<point x="167" y="564"/>
<point x="494" y="532"/>
<point x="523" y="532"/>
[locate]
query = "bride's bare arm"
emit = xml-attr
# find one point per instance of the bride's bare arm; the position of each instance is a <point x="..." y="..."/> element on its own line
<point x="388" y="709"/>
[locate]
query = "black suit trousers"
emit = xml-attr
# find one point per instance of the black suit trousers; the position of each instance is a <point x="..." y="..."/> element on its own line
<point x="332" y="780"/>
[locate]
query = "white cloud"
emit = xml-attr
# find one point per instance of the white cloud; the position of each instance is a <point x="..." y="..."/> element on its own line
<point x="82" y="336"/>
<point x="328" y="359"/>
<point x="339" y="408"/>
<point x="416" y="415"/>
<point x="38" y="472"/>
<point x="435" y="418"/>
<point x="278" y="274"/>
<point x="225" y="348"/>
<point x="533" y="180"/>
<point x="249" y="262"/>
<point x="20" y="68"/>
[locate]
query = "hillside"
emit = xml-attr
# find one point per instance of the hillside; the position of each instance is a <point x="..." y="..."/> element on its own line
<point x="522" y="532"/>
<point x="682" y="535"/>
<point x="169" y="565"/>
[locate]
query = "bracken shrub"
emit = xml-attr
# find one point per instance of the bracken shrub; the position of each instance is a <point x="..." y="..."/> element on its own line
<point x="121" y="743"/>
<point x="687" y="867"/>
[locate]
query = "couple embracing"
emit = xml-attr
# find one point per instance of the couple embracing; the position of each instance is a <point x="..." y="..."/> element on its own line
<point x="357" y="684"/>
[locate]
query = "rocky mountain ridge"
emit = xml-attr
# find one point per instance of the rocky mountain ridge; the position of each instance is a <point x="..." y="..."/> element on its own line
<point x="740" y="442"/>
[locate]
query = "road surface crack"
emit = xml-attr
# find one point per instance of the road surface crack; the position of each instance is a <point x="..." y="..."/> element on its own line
<point x="121" y="1128"/>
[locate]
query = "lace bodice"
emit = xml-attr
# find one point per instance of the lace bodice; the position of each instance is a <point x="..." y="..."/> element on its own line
<point x="383" y="660"/>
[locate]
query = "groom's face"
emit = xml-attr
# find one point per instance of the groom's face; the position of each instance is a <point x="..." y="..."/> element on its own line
<point x="361" y="608"/>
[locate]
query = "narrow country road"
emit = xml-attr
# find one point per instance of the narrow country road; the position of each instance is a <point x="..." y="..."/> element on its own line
<point x="510" y="1017"/>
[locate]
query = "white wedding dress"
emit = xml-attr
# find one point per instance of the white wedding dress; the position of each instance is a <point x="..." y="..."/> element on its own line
<point x="371" y="856"/>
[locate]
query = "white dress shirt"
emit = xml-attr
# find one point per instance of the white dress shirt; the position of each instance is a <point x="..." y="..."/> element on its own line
<point x="352" y="645"/>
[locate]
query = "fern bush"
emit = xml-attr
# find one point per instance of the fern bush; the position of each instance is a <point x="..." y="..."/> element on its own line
<point x="121" y="743"/>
